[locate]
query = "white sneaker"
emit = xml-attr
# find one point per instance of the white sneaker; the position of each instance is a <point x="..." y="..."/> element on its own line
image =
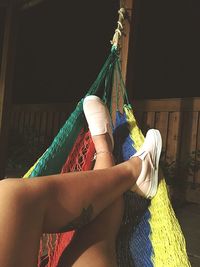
<point x="97" y="116"/>
<point x="147" y="182"/>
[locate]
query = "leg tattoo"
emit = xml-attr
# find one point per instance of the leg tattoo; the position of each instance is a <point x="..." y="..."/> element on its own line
<point x="79" y="222"/>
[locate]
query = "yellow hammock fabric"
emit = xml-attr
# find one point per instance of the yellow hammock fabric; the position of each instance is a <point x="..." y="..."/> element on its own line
<point x="169" y="248"/>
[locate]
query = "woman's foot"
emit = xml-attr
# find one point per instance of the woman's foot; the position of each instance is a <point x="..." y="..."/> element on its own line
<point x="145" y="161"/>
<point x="147" y="182"/>
<point x="99" y="123"/>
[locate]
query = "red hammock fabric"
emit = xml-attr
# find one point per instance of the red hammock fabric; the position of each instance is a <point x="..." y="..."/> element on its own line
<point x="79" y="159"/>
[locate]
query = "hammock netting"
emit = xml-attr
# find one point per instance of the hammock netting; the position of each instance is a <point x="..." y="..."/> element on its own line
<point x="150" y="234"/>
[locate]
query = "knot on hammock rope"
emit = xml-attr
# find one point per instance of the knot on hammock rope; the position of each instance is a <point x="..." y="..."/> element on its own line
<point x="118" y="31"/>
<point x="121" y="12"/>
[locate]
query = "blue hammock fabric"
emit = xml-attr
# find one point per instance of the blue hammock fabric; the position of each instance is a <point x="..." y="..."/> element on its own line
<point x="136" y="215"/>
<point x="137" y="244"/>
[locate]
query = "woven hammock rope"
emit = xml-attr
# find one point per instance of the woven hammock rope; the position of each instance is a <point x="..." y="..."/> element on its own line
<point x="150" y="234"/>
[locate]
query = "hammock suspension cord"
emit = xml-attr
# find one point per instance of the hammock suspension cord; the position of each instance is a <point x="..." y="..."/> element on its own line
<point x="118" y="31"/>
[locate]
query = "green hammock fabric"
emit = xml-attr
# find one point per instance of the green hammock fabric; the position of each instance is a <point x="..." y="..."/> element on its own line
<point x="63" y="142"/>
<point x="155" y="238"/>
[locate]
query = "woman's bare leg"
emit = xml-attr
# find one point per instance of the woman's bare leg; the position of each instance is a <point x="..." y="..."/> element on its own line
<point x="54" y="203"/>
<point x="22" y="210"/>
<point x="96" y="242"/>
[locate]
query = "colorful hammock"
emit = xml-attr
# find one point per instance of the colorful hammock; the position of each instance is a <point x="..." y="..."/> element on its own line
<point x="150" y="234"/>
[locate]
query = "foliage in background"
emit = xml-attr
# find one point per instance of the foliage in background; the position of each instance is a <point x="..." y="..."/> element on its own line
<point x="177" y="171"/>
<point x="24" y="149"/>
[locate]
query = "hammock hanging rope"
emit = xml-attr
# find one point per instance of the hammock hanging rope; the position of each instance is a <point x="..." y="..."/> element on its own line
<point x="150" y="234"/>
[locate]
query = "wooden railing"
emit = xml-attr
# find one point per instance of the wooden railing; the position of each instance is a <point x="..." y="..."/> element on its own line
<point x="179" y="123"/>
<point x="177" y="119"/>
<point x="43" y="121"/>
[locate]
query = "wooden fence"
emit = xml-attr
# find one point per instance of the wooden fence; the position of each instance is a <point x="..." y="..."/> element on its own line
<point x="177" y="119"/>
<point x="41" y="121"/>
<point x="179" y="123"/>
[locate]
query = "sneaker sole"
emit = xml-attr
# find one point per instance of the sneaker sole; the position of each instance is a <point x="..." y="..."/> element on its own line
<point x="158" y="144"/>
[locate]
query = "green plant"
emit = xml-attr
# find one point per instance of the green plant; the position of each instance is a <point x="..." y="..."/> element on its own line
<point x="177" y="171"/>
<point x="24" y="148"/>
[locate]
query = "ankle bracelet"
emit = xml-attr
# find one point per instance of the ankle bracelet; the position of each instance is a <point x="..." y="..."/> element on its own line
<point x="102" y="152"/>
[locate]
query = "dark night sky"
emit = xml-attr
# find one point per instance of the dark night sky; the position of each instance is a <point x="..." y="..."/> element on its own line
<point x="62" y="46"/>
<point x="167" y="48"/>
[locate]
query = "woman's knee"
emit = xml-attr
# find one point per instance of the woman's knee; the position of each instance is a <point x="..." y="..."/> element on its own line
<point x="17" y="194"/>
<point x="12" y="191"/>
<point x="21" y="197"/>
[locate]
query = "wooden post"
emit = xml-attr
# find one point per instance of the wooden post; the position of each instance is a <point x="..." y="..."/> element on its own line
<point x="126" y="39"/>
<point x="127" y="44"/>
<point x="6" y="73"/>
<point x="124" y="45"/>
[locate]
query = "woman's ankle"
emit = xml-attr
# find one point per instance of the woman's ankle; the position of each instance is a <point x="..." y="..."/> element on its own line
<point x="135" y="167"/>
<point x="102" y="143"/>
